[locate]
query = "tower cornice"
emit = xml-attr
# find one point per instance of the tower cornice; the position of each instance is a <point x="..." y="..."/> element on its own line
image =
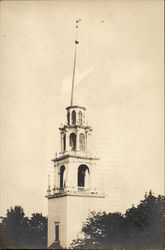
<point x="63" y="193"/>
<point x="76" y="126"/>
<point x="70" y="155"/>
<point x="75" y="107"/>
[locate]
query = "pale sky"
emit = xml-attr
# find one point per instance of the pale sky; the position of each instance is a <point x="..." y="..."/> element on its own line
<point x="119" y="81"/>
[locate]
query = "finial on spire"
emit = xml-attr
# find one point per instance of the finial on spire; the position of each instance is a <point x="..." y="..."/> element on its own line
<point x="74" y="65"/>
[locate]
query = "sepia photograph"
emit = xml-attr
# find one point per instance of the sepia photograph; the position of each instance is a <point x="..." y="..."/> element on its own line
<point x="82" y="124"/>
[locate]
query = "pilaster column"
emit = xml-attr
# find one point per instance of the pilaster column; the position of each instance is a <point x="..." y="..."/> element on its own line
<point x="91" y="178"/>
<point x="86" y="141"/>
<point x="83" y="117"/>
<point x="67" y="141"/>
<point x="89" y="141"/>
<point x="77" y="140"/>
<point x="66" y="176"/>
<point x="75" y="177"/>
<point x="56" y="177"/>
<point x="62" y="142"/>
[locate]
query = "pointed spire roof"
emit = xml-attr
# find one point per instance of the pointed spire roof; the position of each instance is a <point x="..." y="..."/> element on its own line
<point x="74" y="64"/>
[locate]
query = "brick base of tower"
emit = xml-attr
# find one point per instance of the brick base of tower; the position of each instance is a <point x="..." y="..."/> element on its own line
<point x="70" y="211"/>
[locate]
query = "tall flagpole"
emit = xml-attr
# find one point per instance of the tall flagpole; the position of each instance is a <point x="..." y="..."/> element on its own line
<point x="74" y="65"/>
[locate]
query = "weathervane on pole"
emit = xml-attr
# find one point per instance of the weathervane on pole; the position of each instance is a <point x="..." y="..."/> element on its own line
<point x="74" y="65"/>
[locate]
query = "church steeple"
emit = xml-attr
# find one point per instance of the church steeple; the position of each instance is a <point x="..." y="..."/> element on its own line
<point x="75" y="189"/>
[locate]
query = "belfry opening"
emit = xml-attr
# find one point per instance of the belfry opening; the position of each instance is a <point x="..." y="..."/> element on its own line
<point x="62" y="179"/>
<point x="83" y="176"/>
<point x="73" y="117"/>
<point x="72" y="141"/>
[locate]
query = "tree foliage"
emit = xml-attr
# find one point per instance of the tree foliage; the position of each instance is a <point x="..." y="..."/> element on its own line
<point x="141" y="227"/>
<point x="18" y="231"/>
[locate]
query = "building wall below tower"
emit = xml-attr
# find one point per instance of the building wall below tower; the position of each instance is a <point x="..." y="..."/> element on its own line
<point x="79" y="208"/>
<point x="70" y="211"/>
<point x="57" y="212"/>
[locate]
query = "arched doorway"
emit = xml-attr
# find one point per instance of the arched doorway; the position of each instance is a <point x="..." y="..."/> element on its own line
<point x="62" y="177"/>
<point x="72" y="141"/>
<point x="83" y="176"/>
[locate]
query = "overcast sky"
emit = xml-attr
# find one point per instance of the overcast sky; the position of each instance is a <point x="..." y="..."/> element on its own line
<point x="119" y="80"/>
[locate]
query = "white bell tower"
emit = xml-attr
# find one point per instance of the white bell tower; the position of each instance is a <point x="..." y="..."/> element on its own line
<point x="75" y="192"/>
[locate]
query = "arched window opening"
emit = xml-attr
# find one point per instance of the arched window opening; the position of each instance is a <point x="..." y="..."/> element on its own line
<point x="80" y="117"/>
<point x="82" y="142"/>
<point x="73" y="117"/>
<point x="68" y="117"/>
<point x="72" y="141"/>
<point x="64" y="142"/>
<point x="62" y="176"/>
<point x="83" y="176"/>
